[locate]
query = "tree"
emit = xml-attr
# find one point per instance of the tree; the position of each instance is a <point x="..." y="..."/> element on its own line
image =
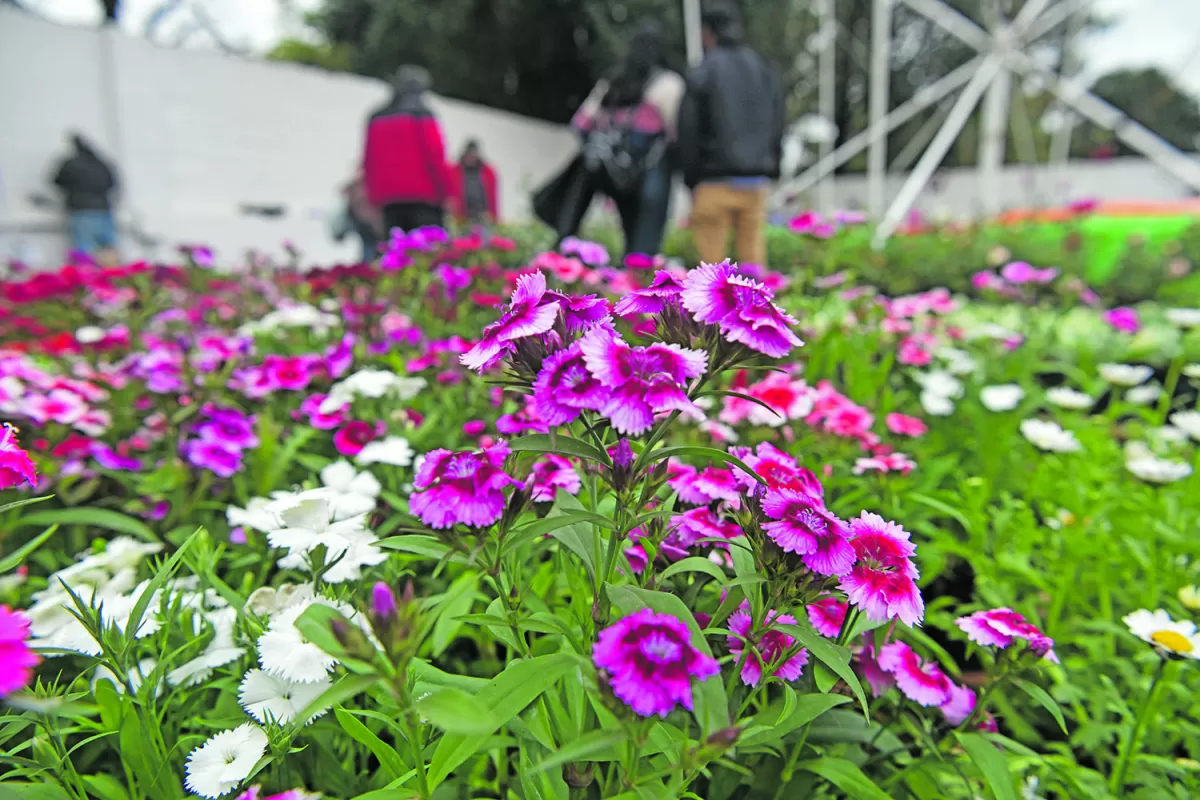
<point x="1147" y="96"/>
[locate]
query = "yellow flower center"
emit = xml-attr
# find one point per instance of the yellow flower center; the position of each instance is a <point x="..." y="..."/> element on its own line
<point x="1170" y="640"/>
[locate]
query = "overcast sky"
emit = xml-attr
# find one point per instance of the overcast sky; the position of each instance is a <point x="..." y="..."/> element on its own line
<point x="1163" y="33"/>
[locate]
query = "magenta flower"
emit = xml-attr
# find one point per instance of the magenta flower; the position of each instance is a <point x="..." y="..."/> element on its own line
<point x="352" y="437"/>
<point x="591" y="253"/>
<point x="287" y="372"/>
<point x="228" y="425"/>
<point x="767" y="647"/>
<point x="110" y="459"/>
<point x="340" y="357"/>
<point x="650" y="662"/>
<point x="904" y="425"/>
<point x="701" y="523"/>
<point x="643" y="380"/>
<point x="551" y="473"/>
<point x="461" y="488"/>
<point x="311" y="408"/>
<point x="16" y="659"/>
<point x="528" y="313"/>
<point x="878" y="678"/>
<point x="779" y="470"/>
<point x="958" y="705"/>
<point x="922" y="683"/>
<point x="15" y="464"/>
<point x="220" y="458"/>
<point x="564" y="388"/>
<point x="1001" y="627"/>
<point x="383" y="602"/>
<point x="703" y="487"/>
<point x="803" y="526"/>
<point x="882" y="581"/>
<point x="1018" y="272"/>
<point x="580" y="312"/>
<point x="827" y="616"/>
<point x="664" y="290"/>
<point x="716" y="294"/>
<point x="1124" y="319"/>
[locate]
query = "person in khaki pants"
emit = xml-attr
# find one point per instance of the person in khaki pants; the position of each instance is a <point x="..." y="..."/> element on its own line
<point x="730" y="142"/>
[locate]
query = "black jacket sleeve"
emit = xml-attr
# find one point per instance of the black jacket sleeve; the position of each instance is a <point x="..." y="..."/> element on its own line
<point x="780" y="126"/>
<point x="688" y="140"/>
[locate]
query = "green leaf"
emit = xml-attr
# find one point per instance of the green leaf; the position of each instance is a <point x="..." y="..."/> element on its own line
<point x="156" y="583"/>
<point x="1043" y="697"/>
<point x="27" y="501"/>
<point x="274" y="473"/>
<point x="695" y="564"/>
<point x="846" y="776"/>
<point x="556" y="520"/>
<point x="429" y="546"/>
<point x="740" y="396"/>
<point x="388" y="757"/>
<point x="991" y="762"/>
<point x="316" y="626"/>
<point x="711" y="702"/>
<point x="578" y="537"/>
<point x="14" y="559"/>
<point x="340" y="692"/>
<point x="831" y="655"/>
<point x="806" y="708"/>
<point x="92" y="518"/>
<point x="456" y="712"/>
<point x="562" y="445"/>
<point x="590" y="743"/>
<point x="504" y="697"/>
<point x="455" y="604"/>
<point x="706" y="452"/>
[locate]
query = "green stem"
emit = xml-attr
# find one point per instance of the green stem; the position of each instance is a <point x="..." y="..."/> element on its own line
<point x="1131" y="743"/>
<point x="412" y="733"/>
<point x="789" y="769"/>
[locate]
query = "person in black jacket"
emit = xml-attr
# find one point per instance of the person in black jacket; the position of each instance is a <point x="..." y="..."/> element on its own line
<point x="87" y="183"/>
<point x="731" y="128"/>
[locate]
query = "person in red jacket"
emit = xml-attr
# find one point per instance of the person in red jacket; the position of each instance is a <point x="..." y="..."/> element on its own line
<point x="404" y="159"/>
<point x="473" y="188"/>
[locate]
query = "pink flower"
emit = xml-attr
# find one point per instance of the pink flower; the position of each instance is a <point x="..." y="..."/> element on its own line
<point x="922" y="683"/>
<point x="1018" y="272"/>
<point x="904" y="425"/>
<point x="913" y="354"/>
<point x="888" y="462"/>
<point x="218" y="457"/>
<point x="15" y="464"/>
<point x="696" y="524"/>
<point x="788" y="398"/>
<point x="1001" y="627"/>
<point x="876" y="677"/>
<point x="16" y="659"/>
<point x="352" y="437"/>
<point x="702" y="488"/>
<point x="1083" y="206"/>
<point x="564" y="388"/>
<point x="805" y="222"/>
<point x="643" y="380"/>
<point x="987" y="280"/>
<point x="827" y="616"/>
<point x="59" y="405"/>
<point x="474" y="428"/>
<point x="882" y="580"/>
<point x="311" y="408"/>
<point x="461" y="488"/>
<point x="803" y="526"/>
<point x="650" y="662"/>
<point x="767" y="647"/>
<point x="111" y="459"/>
<point x="528" y="313"/>
<point x="682" y="478"/>
<point x="1124" y="319"/>
<point x="958" y="705"/>
<point x="716" y="294"/>
<point x="287" y="372"/>
<point x="566" y="269"/>
<point x="551" y="473"/>
<point x="664" y="290"/>
<point x="779" y="470"/>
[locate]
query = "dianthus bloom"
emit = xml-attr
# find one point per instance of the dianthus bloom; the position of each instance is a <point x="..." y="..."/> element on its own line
<point x="464" y="488"/>
<point x="564" y="388"/>
<point x="352" y="437"/>
<point x="530" y="312"/>
<point x="802" y="525"/>
<point x="827" y="616"/>
<point x="551" y="473"/>
<point x="920" y="682"/>
<point x="882" y="581"/>
<point x="664" y="290"/>
<point x="650" y="661"/>
<point x="779" y="470"/>
<point x="643" y="380"/>
<point x="768" y="646"/>
<point x="1124" y="319"/>
<point x="1001" y="627"/>
<point x="15" y="464"/>
<point x="16" y="659"/>
<point x="220" y="458"/>
<point x="287" y="372"/>
<point x="716" y="294"/>
<point x="904" y="425"/>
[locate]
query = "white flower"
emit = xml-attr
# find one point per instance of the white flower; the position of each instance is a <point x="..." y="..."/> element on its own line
<point x="1066" y="397"/>
<point x="1158" y="470"/>
<point x="939" y="382"/>
<point x="89" y="334"/>
<point x="373" y="383"/>
<point x="267" y="601"/>
<point x="936" y="404"/>
<point x="1187" y="421"/>
<point x="218" y="766"/>
<point x="1125" y="374"/>
<point x="1168" y="636"/>
<point x="1143" y="395"/>
<point x="1004" y="397"/>
<point x="350" y="492"/>
<point x="114" y="612"/>
<point x="254" y="516"/>
<point x="351" y="552"/>
<point x="1046" y="435"/>
<point x="137" y="675"/>
<point x="298" y="316"/>
<point x="991" y="330"/>
<point x="284" y="652"/>
<point x="1167" y="434"/>
<point x="266" y="697"/>
<point x="1183" y="317"/>
<point x="393" y="450"/>
<point x="958" y="362"/>
<point x="219" y="652"/>
<point x="1191" y="371"/>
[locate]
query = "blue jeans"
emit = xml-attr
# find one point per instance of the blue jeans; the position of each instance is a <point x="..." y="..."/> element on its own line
<point x="644" y="213"/>
<point x="92" y="230"/>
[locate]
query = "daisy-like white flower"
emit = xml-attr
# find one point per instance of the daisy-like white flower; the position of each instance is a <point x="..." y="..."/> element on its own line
<point x="394" y="450"/>
<point x="939" y="382"/>
<point x="1168" y="636"/>
<point x="1188" y="422"/>
<point x="1125" y="374"/>
<point x="1183" y="317"/>
<point x="1167" y="435"/>
<point x="219" y="766"/>
<point x="350" y="492"/>
<point x="306" y="520"/>
<point x="1049" y="436"/>
<point x="285" y="653"/>
<point x="254" y="516"/>
<point x="219" y="652"/>
<point x="1066" y="397"/>
<point x="937" y="405"/>
<point x="267" y="601"/>
<point x="267" y="697"/>
<point x="1143" y="395"/>
<point x="1158" y="470"/>
<point x="1004" y="397"/>
<point x="958" y="362"/>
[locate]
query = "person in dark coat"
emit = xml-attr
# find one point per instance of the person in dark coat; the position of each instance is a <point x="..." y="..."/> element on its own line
<point x="404" y="158"/>
<point x="87" y="184"/>
<point x="473" y="188"/>
<point x="731" y="127"/>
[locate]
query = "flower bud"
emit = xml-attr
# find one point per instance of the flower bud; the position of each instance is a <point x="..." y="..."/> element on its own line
<point x="383" y="602"/>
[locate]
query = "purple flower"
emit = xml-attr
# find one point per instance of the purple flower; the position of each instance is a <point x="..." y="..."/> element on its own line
<point x="716" y="294"/>
<point x="701" y="523"/>
<point x="663" y="290"/>
<point x="227" y="425"/>
<point x="110" y="459"/>
<point x="767" y="647"/>
<point x="551" y="473"/>
<point x="803" y="526"/>
<point x="453" y="278"/>
<point x="461" y="488"/>
<point x="590" y="253"/>
<point x="643" y="380"/>
<point x="580" y="312"/>
<point x="1124" y="319"/>
<point x="340" y="357"/>
<point x="216" y="456"/>
<point x="650" y="661"/>
<point x="564" y="387"/>
<point x="527" y="314"/>
<point x="383" y="602"/>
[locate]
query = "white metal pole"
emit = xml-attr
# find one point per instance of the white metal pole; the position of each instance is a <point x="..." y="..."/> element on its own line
<point x="917" y="143"/>
<point x="1060" y="141"/>
<point x="825" y="99"/>
<point x="881" y="42"/>
<point x="932" y="158"/>
<point x="691" y="32"/>
<point x="992" y="139"/>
